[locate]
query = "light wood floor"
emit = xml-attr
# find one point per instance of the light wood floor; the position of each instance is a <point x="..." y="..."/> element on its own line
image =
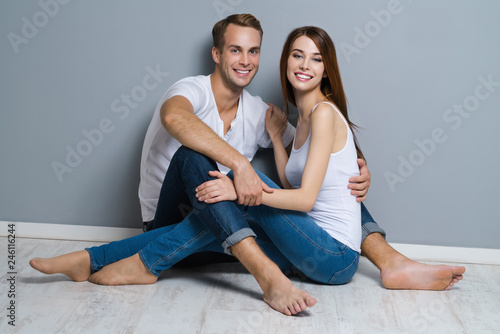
<point x="224" y="298"/>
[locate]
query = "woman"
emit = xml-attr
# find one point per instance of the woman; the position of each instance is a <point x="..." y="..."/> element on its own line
<point x="323" y="244"/>
<point x="322" y="160"/>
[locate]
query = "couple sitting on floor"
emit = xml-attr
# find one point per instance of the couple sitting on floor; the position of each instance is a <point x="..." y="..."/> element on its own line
<point x="316" y="225"/>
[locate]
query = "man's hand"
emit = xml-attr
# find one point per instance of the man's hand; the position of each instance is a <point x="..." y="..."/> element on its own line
<point x="249" y="186"/>
<point x="360" y="184"/>
<point x="220" y="189"/>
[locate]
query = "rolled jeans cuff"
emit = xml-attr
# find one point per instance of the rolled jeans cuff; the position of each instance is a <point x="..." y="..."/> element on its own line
<point x="369" y="228"/>
<point x="236" y="237"/>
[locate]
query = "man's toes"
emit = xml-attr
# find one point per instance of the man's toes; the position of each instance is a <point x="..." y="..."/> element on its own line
<point x="311" y="301"/>
<point x="287" y="311"/>
<point x="296" y="307"/>
<point x="302" y="304"/>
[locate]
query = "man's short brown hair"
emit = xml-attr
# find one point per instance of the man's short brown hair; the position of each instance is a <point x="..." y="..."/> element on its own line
<point x="243" y="20"/>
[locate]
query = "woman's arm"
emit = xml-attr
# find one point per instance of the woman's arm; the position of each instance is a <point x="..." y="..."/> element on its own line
<point x="322" y="136"/>
<point x="276" y="122"/>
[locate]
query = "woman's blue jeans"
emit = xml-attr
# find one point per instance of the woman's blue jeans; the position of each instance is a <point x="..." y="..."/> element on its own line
<point x="289" y="238"/>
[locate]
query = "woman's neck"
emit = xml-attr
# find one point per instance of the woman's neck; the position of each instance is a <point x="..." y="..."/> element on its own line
<point x="306" y="101"/>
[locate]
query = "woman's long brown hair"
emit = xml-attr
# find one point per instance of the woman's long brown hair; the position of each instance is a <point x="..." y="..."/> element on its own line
<point x="331" y="86"/>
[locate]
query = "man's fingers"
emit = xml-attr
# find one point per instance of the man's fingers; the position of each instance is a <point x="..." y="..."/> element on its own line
<point x="356" y="186"/>
<point x="360" y="195"/>
<point x="358" y="179"/>
<point x="266" y="188"/>
<point x="360" y="199"/>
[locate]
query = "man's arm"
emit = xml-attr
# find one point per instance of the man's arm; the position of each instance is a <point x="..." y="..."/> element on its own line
<point x="359" y="184"/>
<point x="178" y="118"/>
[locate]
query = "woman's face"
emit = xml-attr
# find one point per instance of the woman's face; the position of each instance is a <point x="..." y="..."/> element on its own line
<point x="305" y="68"/>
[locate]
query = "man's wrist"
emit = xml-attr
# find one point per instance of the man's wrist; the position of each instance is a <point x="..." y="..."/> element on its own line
<point x="239" y="164"/>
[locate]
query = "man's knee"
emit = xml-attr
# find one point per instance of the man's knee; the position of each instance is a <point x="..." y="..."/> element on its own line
<point x="267" y="180"/>
<point x="185" y="153"/>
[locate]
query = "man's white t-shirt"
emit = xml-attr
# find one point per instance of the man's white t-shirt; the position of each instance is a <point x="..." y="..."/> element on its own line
<point x="247" y="135"/>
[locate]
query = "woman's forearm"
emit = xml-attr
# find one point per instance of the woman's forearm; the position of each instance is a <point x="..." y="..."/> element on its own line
<point x="290" y="199"/>
<point x="281" y="159"/>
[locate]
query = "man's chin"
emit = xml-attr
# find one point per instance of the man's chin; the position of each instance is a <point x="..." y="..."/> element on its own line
<point x="243" y="82"/>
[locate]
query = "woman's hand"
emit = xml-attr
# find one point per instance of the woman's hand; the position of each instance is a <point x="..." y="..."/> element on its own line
<point x="221" y="189"/>
<point x="276" y="121"/>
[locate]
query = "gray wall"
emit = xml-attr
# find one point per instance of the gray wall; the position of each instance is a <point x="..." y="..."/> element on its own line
<point x="422" y="79"/>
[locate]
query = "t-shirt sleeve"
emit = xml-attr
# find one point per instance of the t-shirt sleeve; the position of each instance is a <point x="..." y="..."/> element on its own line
<point x="193" y="90"/>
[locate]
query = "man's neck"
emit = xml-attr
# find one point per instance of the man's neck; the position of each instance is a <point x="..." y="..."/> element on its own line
<point x="225" y="97"/>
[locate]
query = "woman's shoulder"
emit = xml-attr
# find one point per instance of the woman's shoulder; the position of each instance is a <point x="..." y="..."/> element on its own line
<point x="326" y="110"/>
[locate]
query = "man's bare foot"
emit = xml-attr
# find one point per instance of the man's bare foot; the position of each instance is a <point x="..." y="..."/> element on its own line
<point x="410" y="275"/>
<point x="284" y="297"/>
<point x="75" y="265"/>
<point x="127" y="271"/>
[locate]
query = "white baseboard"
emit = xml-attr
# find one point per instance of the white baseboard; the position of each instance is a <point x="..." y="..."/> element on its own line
<point x="449" y="254"/>
<point x="106" y="234"/>
<point x="70" y="232"/>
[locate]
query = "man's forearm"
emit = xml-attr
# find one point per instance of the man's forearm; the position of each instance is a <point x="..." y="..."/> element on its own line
<point x="191" y="132"/>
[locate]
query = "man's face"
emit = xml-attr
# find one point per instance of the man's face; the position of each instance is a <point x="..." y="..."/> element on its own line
<point x="239" y="58"/>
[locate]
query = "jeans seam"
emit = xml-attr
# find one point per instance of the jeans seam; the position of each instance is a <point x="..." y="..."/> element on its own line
<point x="343" y="270"/>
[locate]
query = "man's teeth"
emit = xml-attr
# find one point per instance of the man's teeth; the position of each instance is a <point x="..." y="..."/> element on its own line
<point x="242" y="72"/>
<point x="302" y="76"/>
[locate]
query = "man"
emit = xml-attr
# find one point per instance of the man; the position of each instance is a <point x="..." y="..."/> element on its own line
<point x="216" y="117"/>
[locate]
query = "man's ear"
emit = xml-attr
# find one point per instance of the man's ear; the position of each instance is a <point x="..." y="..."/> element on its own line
<point x="215" y="55"/>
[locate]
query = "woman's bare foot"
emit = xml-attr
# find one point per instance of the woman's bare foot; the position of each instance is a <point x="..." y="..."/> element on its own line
<point x="284" y="297"/>
<point x="279" y="292"/>
<point x="407" y="274"/>
<point x="124" y="272"/>
<point x="75" y="265"/>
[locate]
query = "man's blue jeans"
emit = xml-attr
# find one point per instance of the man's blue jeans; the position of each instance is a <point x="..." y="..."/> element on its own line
<point x="296" y="240"/>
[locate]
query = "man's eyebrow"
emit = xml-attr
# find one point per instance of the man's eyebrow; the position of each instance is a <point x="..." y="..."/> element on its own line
<point x="239" y="47"/>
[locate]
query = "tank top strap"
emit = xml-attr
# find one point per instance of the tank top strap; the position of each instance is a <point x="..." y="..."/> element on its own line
<point x="335" y="108"/>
